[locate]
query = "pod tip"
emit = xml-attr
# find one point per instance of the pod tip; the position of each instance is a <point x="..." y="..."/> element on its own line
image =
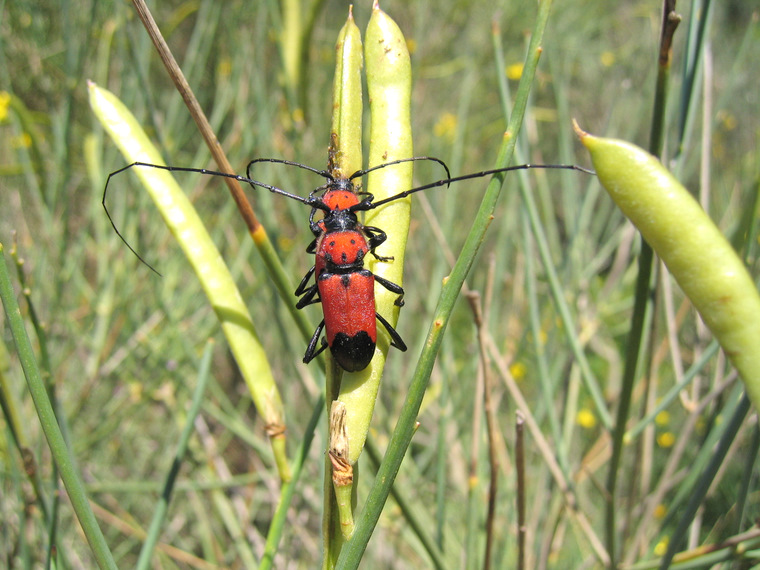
<point x="579" y="131"/>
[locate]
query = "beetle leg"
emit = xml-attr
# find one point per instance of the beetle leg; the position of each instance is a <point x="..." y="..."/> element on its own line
<point x="395" y="337"/>
<point x="376" y="236"/>
<point x="301" y="289"/>
<point x="311" y="351"/>
<point x="393" y="288"/>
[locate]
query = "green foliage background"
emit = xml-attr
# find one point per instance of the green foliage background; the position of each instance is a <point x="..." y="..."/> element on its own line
<point x="124" y="345"/>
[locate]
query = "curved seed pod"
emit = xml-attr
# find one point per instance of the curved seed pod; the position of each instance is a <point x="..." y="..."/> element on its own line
<point x="389" y="80"/>
<point x="697" y="254"/>
<point x="220" y="288"/>
<point x="389" y="83"/>
<point x="345" y="159"/>
<point x="346" y="139"/>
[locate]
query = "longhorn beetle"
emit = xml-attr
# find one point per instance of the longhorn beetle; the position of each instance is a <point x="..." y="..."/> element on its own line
<point x="342" y="284"/>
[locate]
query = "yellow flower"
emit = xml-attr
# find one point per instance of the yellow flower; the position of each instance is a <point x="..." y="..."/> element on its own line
<point x="607" y="58"/>
<point x="666" y="439"/>
<point x="585" y="418"/>
<point x="663" y="418"/>
<point x="446" y="127"/>
<point x="135" y="391"/>
<point x="514" y="71"/>
<point x="660" y="511"/>
<point x="518" y="370"/>
<point x="5" y="102"/>
<point x="661" y="547"/>
<point x="225" y="67"/>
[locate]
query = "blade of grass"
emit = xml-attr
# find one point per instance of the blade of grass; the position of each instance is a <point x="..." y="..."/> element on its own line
<point x="159" y="515"/>
<point x="558" y="294"/>
<point x="703" y="484"/>
<point x="645" y="282"/>
<point x="60" y="452"/>
<point x="410" y="513"/>
<point x="277" y="526"/>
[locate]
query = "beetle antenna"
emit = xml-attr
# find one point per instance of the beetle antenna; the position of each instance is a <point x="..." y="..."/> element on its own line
<point x="323" y="173"/>
<point x="447" y="181"/>
<point x="360" y="173"/>
<point x="247" y="179"/>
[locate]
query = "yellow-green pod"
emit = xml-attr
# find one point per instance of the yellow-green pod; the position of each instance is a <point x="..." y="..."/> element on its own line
<point x="389" y="83"/>
<point x="215" y="278"/>
<point x="346" y="139"/>
<point x="697" y="254"/>
<point x="345" y="159"/>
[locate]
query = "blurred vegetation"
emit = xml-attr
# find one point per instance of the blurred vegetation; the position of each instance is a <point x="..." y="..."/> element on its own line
<point x="123" y="346"/>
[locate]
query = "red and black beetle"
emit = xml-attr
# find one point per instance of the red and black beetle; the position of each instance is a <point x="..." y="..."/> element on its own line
<point x="344" y="287"/>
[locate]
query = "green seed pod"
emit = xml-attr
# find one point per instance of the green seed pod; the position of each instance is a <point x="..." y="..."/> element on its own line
<point x="346" y="140"/>
<point x="697" y="254"/>
<point x="345" y="159"/>
<point x="389" y="82"/>
<point x="217" y="282"/>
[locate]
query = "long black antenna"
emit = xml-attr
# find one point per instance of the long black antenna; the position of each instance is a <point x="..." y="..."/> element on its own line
<point x="359" y="173"/>
<point x="308" y="201"/>
<point x="448" y="181"/>
<point x="323" y="173"/>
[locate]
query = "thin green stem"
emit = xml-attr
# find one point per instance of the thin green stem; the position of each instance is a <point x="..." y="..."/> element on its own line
<point x="159" y="515"/>
<point x="702" y="486"/>
<point x="49" y="422"/>
<point x="641" y="307"/>
<point x="277" y="525"/>
<point x="644" y="283"/>
<point x="410" y="514"/>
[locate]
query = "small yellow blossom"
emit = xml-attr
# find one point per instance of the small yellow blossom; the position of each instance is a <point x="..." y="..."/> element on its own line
<point x="518" y="370"/>
<point x="446" y="127"/>
<point x="5" y="102"/>
<point x="411" y="45"/>
<point x="585" y="418"/>
<point x="135" y="390"/>
<point x="286" y="243"/>
<point x="661" y="548"/>
<point x="666" y="439"/>
<point x="514" y="71"/>
<point x="225" y="67"/>
<point x="728" y="120"/>
<point x="607" y="58"/>
<point x="660" y="511"/>
<point x="166" y="394"/>
<point x="663" y="418"/>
